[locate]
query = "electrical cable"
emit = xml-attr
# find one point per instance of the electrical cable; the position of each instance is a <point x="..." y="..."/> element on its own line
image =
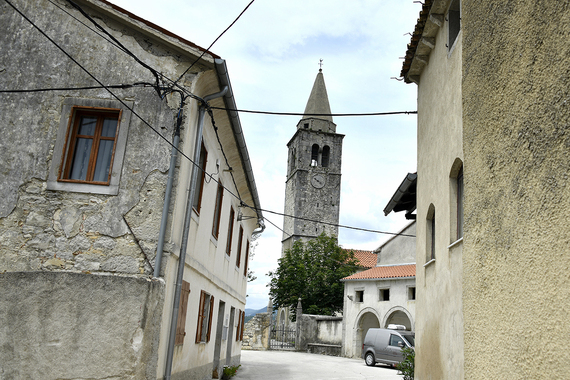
<point x="120" y="86"/>
<point x="319" y="114"/>
<point x="242" y="203"/>
<point x="153" y="71"/>
<point x="211" y="114"/>
<point x="87" y="26"/>
<point x="334" y="224"/>
<point x="212" y="44"/>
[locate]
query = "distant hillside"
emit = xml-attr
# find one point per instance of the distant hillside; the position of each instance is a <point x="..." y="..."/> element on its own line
<point x="252" y="312"/>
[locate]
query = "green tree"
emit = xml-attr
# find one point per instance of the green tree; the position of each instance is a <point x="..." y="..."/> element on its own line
<point x="312" y="271"/>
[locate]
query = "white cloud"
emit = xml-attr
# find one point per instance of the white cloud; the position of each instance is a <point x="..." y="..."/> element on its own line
<point x="272" y="54"/>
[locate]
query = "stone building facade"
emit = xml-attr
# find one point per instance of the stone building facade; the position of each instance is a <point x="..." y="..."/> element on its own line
<point x="493" y="189"/>
<point x="312" y="190"/>
<point x="84" y="173"/>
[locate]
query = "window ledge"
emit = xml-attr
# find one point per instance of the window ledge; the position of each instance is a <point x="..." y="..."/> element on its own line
<point x="429" y="263"/>
<point x="457" y="242"/>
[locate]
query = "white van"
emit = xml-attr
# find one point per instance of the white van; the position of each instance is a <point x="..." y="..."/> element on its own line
<point x="385" y="345"/>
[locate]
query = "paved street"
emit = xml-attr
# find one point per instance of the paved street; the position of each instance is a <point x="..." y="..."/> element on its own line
<point x="283" y="365"/>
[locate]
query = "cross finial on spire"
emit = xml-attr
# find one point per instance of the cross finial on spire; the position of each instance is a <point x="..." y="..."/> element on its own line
<point x="320" y="65"/>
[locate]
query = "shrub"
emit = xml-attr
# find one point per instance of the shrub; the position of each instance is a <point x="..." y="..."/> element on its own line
<point x="406" y="366"/>
<point x="230" y="371"/>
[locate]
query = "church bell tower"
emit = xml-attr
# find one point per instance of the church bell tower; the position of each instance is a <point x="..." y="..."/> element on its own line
<point x="312" y="190"/>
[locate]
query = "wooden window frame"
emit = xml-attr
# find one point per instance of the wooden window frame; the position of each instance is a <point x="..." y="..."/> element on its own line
<point x="245" y="264"/>
<point x="230" y="231"/>
<point x="202" y="315"/>
<point x="197" y="202"/>
<point x="238" y="329"/>
<point x="242" y="326"/>
<point x="71" y="139"/>
<point x="182" y="311"/>
<point x="218" y="210"/>
<point x="240" y="241"/>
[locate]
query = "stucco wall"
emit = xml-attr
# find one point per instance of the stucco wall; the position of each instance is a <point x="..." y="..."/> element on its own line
<point x="360" y="316"/>
<point x="399" y="249"/>
<point x="439" y="322"/>
<point x="58" y="325"/>
<point x="516" y="97"/>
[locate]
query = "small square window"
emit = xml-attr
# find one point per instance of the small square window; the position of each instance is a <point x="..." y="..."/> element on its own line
<point x="384" y="294"/>
<point x="359" y="296"/>
<point x="411" y="293"/>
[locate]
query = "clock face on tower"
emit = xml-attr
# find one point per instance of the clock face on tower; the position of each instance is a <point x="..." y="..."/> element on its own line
<point x="318" y="181"/>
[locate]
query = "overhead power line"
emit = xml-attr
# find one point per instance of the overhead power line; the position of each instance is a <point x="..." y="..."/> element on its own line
<point x="319" y="114"/>
<point x="122" y="86"/>
<point x="334" y="224"/>
<point x="212" y="44"/>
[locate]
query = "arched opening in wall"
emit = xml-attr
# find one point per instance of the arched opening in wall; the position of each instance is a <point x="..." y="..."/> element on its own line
<point x="366" y="322"/>
<point x="398" y="317"/>
<point x="456" y="200"/>
<point x="315" y="155"/>
<point x="430" y="233"/>
<point x="325" y="156"/>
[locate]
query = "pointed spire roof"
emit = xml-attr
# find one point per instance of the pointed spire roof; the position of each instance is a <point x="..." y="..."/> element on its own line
<point x="318" y="102"/>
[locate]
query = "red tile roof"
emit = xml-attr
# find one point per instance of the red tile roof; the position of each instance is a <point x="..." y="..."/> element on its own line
<point x="366" y="259"/>
<point x="392" y="271"/>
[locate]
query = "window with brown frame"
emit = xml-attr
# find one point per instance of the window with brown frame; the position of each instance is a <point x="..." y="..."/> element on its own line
<point x="230" y="232"/>
<point x="205" y="311"/>
<point x="197" y="202"/>
<point x="242" y="326"/>
<point x="240" y="240"/>
<point x="246" y="257"/>
<point x="218" y="210"/>
<point x="181" y="322"/>
<point x="90" y="148"/>
<point x="238" y="329"/>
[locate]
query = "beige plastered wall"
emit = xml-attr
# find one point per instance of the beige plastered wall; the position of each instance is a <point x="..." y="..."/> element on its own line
<point x="208" y="267"/>
<point x="439" y="341"/>
<point x="517" y="154"/>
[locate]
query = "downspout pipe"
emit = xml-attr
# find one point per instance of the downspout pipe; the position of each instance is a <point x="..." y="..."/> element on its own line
<point x="186" y="228"/>
<point x="168" y="193"/>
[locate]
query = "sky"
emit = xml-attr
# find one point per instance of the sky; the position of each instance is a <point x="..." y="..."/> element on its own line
<point x="272" y="53"/>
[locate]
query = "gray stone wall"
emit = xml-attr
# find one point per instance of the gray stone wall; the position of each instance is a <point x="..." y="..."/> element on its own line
<point x="305" y="199"/>
<point x="58" y="325"/>
<point x="256" y="332"/>
<point x="43" y="229"/>
<point x="319" y="334"/>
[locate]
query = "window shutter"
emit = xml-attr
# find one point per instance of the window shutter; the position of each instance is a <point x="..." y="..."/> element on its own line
<point x="200" y="316"/>
<point x="246" y="258"/>
<point x="242" y="326"/>
<point x="238" y="326"/>
<point x="210" y="318"/>
<point x="181" y="323"/>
